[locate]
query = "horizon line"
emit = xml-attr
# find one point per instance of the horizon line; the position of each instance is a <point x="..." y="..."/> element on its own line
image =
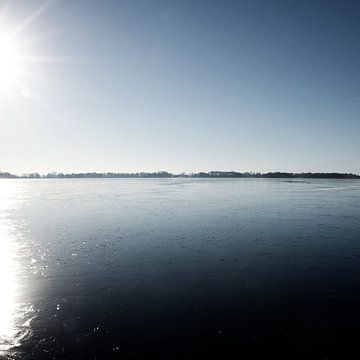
<point x="164" y="173"/>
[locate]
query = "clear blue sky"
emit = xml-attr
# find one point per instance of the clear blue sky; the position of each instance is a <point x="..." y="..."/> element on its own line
<point x="132" y="85"/>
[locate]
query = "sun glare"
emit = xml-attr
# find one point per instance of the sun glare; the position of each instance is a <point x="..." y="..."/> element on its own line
<point x="20" y="54"/>
<point x="9" y="63"/>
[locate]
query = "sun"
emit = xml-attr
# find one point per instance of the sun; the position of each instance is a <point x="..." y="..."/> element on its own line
<point x="21" y="58"/>
<point x="10" y="64"/>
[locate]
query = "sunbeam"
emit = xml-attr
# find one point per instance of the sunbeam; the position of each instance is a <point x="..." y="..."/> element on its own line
<point x="19" y="59"/>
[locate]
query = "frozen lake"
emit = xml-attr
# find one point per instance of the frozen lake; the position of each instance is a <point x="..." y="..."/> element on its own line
<point x="166" y="268"/>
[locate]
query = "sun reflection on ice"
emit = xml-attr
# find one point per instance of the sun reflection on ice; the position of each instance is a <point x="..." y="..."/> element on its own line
<point x="8" y="291"/>
<point x="13" y="312"/>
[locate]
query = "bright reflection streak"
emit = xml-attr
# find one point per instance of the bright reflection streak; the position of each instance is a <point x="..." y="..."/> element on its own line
<point x="12" y="313"/>
<point x="8" y="291"/>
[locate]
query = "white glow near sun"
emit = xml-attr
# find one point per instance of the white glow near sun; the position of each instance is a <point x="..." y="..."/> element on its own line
<point x="10" y="64"/>
<point x="18" y="56"/>
<point x="21" y="58"/>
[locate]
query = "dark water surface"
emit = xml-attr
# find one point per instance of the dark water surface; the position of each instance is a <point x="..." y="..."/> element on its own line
<point x="179" y="268"/>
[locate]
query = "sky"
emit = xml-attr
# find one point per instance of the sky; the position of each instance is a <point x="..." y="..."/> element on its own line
<point x="182" y="86"/>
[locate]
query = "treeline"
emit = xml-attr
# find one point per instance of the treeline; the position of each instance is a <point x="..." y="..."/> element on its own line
<point x="285" y="175"/>
<point x="165" y="174"/>
<point x="7" y="175"/>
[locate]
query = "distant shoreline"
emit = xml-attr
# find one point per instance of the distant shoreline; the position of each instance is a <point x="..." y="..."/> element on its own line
<point x="165" y="174"/>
